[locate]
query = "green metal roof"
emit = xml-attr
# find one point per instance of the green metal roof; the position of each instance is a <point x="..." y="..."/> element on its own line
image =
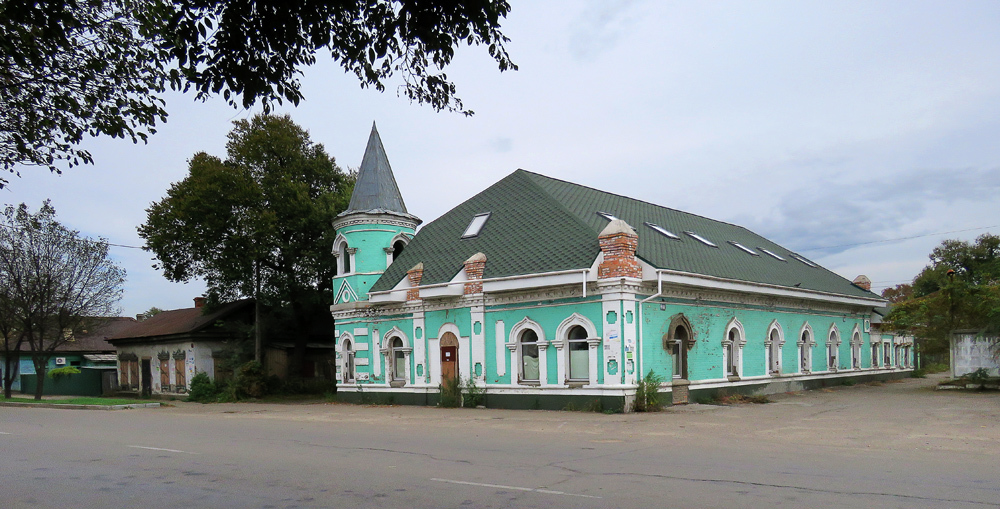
<point x="540" y="224"/>
<point x="375" y="189"/>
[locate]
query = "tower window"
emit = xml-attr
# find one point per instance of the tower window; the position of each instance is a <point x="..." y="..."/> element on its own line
<point x="397" y="249"/>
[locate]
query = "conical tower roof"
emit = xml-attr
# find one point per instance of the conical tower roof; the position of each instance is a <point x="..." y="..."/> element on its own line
<point x="376" y="190"/>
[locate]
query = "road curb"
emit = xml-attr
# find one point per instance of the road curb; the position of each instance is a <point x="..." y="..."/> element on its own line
<point x="80" y="407"/>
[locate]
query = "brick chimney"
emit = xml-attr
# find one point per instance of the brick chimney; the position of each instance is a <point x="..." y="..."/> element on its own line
<point x="199" y="302"/>
<point x="474" y="267"/>
<point x="863" y="282"/>
<point x="414" y="275"/>
<point x="618" y="243"/>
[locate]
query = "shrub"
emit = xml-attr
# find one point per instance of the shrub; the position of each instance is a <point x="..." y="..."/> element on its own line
<point x="451" y="392"/>
<point x="60" y="373"/>
<point x="647" y="393"/>
<point x="979" y="376"/>
<point x="473" y="395"/>
<point x="250" y="381"/>
<point x="936" y="368"/>
<point x="202" y="389"/>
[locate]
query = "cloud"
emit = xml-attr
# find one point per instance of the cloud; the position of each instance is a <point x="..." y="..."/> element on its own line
<point x="599" y="27"/>
<point x="830" y="217"/>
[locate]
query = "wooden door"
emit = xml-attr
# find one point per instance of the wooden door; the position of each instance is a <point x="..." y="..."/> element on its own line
<point x="449" y="356"/>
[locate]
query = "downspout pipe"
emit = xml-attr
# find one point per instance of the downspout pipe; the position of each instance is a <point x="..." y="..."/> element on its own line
<point x="659" y="292"/>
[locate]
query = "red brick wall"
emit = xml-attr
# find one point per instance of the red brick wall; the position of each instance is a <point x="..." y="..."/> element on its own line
<point x="619" y="256"/>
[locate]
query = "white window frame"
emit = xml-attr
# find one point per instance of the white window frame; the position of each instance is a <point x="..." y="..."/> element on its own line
<point x="806" y="342"/>
<point x="389" y="257"/>
<point x="476" y="226"/>
<point x="344" y="253"/>
<point x="732" y="350"/>
<point x="347" y="352"/>
<point x="677" y="348"/>
<point x="390" y="351"/>
<point x="563" y="364"/>
<point x="517" y="361"/>
<point x="773" y="348"/>
<point x="856" y="341"/>
<point x="833" y="348"/>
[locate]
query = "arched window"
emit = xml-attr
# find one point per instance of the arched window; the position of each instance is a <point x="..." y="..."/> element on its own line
<point x="805" y="350"/>
<point x="527" y="344"/>
<point x="677" y="341"/>
<point x="773" y="345"/>
<point x="856" y="350"/>
<point x="732" y="348"/>
<point x="579" y="354"/>
<point x="398" y="356"/>
<point x="345" y="255"/>
<point x="397" y="249"/>
<point x="348" y="352"/>
<point x="832" y="348"/>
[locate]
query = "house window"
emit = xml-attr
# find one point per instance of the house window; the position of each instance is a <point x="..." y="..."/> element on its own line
<point x="887" y="354"/>
<point x="398" y="356"/>
<point x="701" y="239"/>
<point x="774" y="350"/>
<point x="180" y="380"/>
<point x="733" y="350"/>
<point x="874" y="355"/>
<point x="832" y="346"/>
<point x="662" y="231"/>
<point x="805" y="351"/>
<point x="348" y="353"/>
<point x="856" y="350"/>
<point x="579" y="354"/>
<point x="772" y="254"/>
<point x="676" y="342"/>
<point x="165" y="374"/>
<point x="528" y="345"/>
<point x="743" y="248"/>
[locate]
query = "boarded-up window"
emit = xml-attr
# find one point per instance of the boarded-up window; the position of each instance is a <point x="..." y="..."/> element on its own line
<point x="133" y="369"/>
<point x="165" y="374"/>
<point x="179" y="377"/>
<point x="123" y="374"/>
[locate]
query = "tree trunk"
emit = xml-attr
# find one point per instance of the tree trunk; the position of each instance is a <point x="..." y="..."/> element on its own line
<point x="8" y="375"/>
<point x="39" y="377"/>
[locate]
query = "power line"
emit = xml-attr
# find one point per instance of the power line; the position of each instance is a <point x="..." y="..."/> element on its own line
<point x="900" y="238"/>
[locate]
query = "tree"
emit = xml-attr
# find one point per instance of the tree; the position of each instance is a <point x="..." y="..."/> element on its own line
<point x="75" y="68"/>
<point x="55" y="284"/>
<point x="960" y="289"/>
<point x="258" y="223"/>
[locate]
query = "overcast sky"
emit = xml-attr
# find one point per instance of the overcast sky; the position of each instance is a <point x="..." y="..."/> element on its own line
<point x="833" y="128"/>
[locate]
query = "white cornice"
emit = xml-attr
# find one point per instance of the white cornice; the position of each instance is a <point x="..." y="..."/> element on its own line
<point x="703" y="281"/>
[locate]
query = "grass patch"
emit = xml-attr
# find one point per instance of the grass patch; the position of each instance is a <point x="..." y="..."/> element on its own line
<point x="724" y="398"/>
<point x="80" y="401"/>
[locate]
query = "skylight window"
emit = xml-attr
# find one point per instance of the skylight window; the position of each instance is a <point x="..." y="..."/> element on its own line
<point x="745" y="249"/>
<point x="607" y="215"/>
<point x="662" y="231"/>
<point x="803" y="260"/>
<point x="701" y="239"/>
<point x="776" y="257"/>
<point x="476" y="225"/>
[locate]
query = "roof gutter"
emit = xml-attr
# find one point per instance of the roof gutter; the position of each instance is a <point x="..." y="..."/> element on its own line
<point x="638" y="351"/>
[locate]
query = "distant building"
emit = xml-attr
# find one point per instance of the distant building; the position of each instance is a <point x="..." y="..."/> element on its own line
<point x="548" y="293"/>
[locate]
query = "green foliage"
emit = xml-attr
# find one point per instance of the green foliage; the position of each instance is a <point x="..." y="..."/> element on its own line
<point x="918" y="373"/>
<point x="263" y="218"/>
<point x="979" y="376"/>
<point x="473" y="395"/>
<point x="71" y="70"/>
<point x="250" y="381"/>
<point x="936" y="368"/>
<point x="99" y="67"/>
<point x="451" y="392"/>
<point x="647" y="393"/>
<point x="960" y="289"/>
<point x="64" y="372"/>
<point x="52" y="281"/>
<point x="255" y="50"/>
<point x="202" y="389"/>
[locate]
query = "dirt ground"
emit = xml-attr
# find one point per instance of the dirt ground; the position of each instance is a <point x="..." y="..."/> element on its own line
<point x="902" y="415"/>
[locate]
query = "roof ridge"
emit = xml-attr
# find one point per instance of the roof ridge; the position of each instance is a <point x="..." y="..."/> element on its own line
<point x="562" y="206"/>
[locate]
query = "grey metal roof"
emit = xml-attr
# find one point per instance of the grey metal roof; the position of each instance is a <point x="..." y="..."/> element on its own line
<point x="541" y="224"/>
<point x="376" y="190"/>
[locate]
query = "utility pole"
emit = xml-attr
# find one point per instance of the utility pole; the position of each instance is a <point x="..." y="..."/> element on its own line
<point x="256" y="311"/>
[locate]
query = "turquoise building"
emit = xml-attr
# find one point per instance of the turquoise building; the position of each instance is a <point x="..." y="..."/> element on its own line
<point x="549" y="294"/>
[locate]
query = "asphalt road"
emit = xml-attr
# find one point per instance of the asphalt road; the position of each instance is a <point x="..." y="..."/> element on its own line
<point x="895" y="445"/>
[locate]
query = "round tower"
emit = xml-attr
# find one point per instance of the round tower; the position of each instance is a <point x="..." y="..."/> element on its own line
<point x="374" y="229"/>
